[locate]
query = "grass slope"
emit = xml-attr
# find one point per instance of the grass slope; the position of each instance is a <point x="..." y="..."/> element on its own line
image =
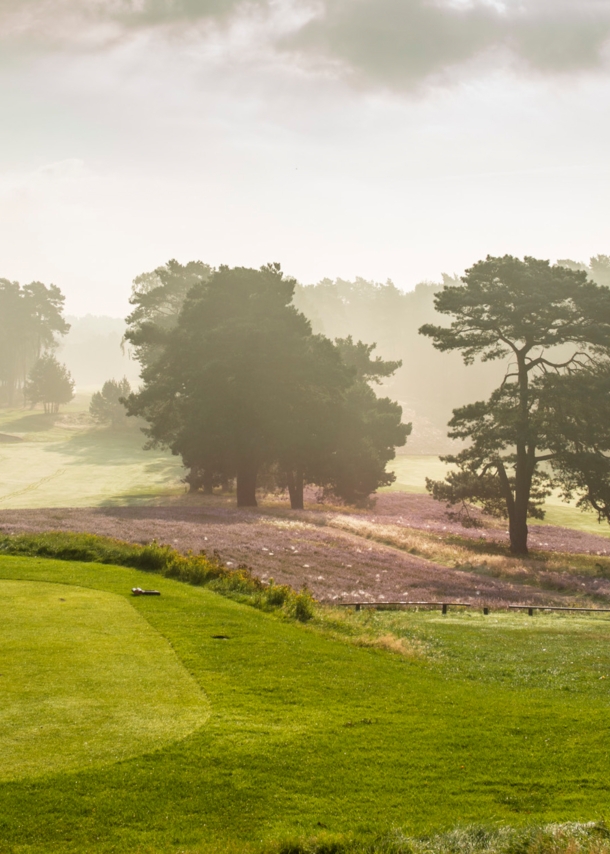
<point x="85" y="680"/>
<point x="62" y="461"/>
<point x="501" y="720"/>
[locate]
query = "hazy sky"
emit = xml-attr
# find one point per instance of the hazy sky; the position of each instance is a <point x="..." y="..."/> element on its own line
<point x="381" y="138"/>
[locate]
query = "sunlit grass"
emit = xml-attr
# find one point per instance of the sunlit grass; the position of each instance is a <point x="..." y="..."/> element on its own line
<point x="491" y="720"/>
<point x="65" y="461"/>
<point x="85" y="680"/>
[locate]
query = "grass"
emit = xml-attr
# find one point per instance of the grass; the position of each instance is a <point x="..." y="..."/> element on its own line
<point x="312" y="735"/>
<point x="63" y="461"/>
<point x="85" y="681"/>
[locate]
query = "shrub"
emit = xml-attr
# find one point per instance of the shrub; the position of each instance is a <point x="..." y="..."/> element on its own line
<point x="303" y="606"/>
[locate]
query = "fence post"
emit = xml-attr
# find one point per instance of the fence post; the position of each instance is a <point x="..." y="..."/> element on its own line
<point x="444" y="607"/>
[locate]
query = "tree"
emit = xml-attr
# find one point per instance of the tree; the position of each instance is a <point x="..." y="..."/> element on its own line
<point x="158" y="298"/>
<point x="530" y="311"/>
<point x="106" y="406"/>
<point x="240" y="386"/>
<point x="30" y="318"/>
<point x="579" y="434"/>
<point x="49" y="383"/>
<point x="229" y="380"/>
<point x="371" y="428"/>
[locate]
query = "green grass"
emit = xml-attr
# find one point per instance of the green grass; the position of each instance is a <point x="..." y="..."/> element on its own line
<point x="85" y="680"/>
<point x="63" y="461"/>
<point x="497" y="720"/>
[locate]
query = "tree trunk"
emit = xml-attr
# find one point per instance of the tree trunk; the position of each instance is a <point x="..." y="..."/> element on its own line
<point x="517" y="531"/>
<point x="246" y="486"/>
<point x="524" y="467"/>
<point x="295" y="489"/>
<point x="523" y="485"/>
<point x="208" y="483"/>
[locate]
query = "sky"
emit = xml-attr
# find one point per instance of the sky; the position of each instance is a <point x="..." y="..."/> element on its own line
<point x="388" y="139"/>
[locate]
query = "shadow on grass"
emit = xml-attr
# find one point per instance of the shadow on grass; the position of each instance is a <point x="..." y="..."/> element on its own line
<point x="35" y="423"/>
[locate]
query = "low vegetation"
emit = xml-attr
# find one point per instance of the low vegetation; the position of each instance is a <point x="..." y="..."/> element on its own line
<point x="328" y="736"/>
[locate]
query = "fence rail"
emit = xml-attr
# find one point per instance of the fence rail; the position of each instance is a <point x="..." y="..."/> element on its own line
<point x="444" y="606"/>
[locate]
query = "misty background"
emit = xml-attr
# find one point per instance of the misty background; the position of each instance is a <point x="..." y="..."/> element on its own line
<point x="428" y="385"/>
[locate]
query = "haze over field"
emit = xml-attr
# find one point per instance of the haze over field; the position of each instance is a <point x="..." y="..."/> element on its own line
<point x="378" y="138"/>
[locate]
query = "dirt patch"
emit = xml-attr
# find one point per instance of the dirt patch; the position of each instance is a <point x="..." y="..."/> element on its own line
<point x="337" y="565"/>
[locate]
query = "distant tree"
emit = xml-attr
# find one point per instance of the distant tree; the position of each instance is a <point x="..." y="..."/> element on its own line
<point x="49" y="383"/>
<point x="371" y="428"/>
<point x="30" y="318"/>
<point x="521" y="309"/>
<point x="578" y="431"/>
<point x="106" y="406"/>
<point x="158" y="298"/>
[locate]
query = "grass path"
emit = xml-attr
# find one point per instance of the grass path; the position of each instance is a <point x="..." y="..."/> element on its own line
<point x="308" y="733"/>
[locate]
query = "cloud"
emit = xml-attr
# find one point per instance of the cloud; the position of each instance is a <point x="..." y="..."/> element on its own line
<point x="396" y="44"/>
<point x="400" y="43"/>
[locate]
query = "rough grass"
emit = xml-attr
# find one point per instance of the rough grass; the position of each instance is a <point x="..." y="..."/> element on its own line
<point x="480" y="556"/>
<point x="318" y="745"/>
<point x="164" y="560"/>
<point x="85" y="680"/>
<point x="572" y="838"/>
<point x="412" y="471"/>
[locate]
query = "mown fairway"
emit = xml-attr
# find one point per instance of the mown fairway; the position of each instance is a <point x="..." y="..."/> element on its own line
<point x="64" y="461"/>
<point x="85" y="680"/>
<point x="496" y="719"/>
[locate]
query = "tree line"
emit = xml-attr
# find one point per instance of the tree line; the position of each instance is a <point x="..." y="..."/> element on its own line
<point x="30" y="318"/>
<point x="236" y="382"/>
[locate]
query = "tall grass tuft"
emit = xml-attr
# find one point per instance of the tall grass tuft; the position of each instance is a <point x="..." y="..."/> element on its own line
<point x="572" y="838"/>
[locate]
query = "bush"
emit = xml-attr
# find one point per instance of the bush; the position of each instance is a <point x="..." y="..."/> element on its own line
<point x="303" y="606"/>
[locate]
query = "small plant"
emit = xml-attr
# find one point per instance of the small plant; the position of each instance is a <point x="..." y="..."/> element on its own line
<point x="303" y="606"/>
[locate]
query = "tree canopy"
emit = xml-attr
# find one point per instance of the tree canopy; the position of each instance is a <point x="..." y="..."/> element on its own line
<point x="529" y="312"/>
<point x="239" y="383"/>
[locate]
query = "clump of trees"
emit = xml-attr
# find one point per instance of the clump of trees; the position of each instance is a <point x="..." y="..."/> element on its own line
<point x="106" y="406"/>
<point x="237" y="384"/>
<point x="547" y="423"/>
<point x="49" y="383"/>
<point x="30" y="318"/>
